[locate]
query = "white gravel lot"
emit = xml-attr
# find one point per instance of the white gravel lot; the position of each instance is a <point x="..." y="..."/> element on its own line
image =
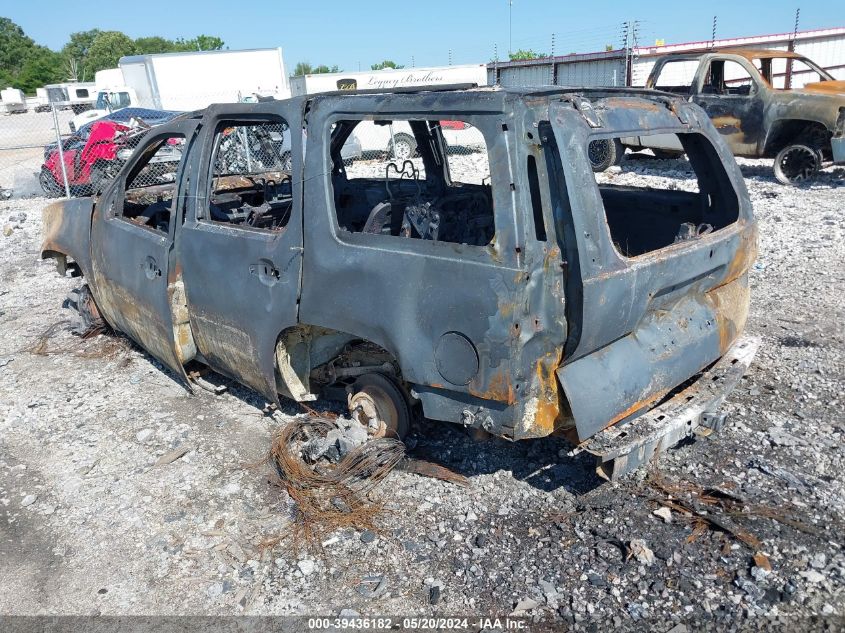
<point x="89" y="524"/>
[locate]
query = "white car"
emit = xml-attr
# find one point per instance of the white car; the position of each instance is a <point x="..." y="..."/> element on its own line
<point x="397" y="139"/>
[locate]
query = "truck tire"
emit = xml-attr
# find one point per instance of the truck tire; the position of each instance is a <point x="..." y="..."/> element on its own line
<point x="101" y="174"/>
<point x="604" y="152"/>
<point x="797" y="164"/>
<point x="402" y="146"/>
<point x="52" y="189"/>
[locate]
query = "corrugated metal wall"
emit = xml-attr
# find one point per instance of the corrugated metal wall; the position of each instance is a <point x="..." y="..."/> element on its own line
<point x="605" y="72"/>
<point x="826" y="48"/>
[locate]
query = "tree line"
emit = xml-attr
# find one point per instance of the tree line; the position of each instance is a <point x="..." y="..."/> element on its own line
<point x="27" y="65"/>
<point x="305" y="68"/>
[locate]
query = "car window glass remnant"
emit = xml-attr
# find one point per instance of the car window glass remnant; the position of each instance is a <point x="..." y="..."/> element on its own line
<point x="250" y="179"/>
<point x="677" y="76"/>
<point x="151" y="183"/>
<point x="421" y="179"/>
<point x="727" y="77"/>
<point x="650" y="205"/>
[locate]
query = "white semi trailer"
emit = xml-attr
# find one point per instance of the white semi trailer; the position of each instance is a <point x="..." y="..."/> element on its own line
<point x="397" y="139"/>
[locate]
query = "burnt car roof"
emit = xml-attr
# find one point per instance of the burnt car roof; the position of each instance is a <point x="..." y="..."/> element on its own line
<point x="591" y="93"/>
<point x="748" y="53"/>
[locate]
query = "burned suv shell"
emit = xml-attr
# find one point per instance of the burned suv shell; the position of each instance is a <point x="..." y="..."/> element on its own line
<point x="532" y="324"/>
<point x="756" y="119"/>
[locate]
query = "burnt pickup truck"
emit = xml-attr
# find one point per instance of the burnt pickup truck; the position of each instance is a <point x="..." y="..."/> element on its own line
<point x="764" y="103"/>
<point x="503" y="290"/>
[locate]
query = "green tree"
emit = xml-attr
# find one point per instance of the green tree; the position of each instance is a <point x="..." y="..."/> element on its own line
<point x="23" y="63"/>
<point x="522" y="54"/>
<point x="15" y="46"/>
<point x="386" y="64"/>
<point x="303" y="68"/>
<point x="75" y="54"/>
<point x="322" y="68"/>
<point x="199" y="43"/>
<point x="41" y="67"/>
<point x="154" y="44"/>
<point x="107" y="49"/>
<point x="208" y="43"/>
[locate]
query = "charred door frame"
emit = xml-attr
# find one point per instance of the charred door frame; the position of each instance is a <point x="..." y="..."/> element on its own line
<point x="122" y="284"/>
<point x="236" y="312"/>
<point x="749" y="109"/>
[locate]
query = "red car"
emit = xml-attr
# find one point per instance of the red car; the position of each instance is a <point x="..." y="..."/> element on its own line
<point x="93" y="157"/>
<point x="87" y="160"/>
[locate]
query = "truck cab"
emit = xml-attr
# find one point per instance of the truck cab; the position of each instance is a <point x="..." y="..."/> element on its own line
<point x="506" y="291"/>
<point x="764" y="103"/>
<point x="108" y="100"/>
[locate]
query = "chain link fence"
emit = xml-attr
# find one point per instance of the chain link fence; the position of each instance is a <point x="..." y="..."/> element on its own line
<point x="52" y="150"/>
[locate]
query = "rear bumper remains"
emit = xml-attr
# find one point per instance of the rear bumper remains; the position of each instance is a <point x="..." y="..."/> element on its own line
<point x="621" y="449"/>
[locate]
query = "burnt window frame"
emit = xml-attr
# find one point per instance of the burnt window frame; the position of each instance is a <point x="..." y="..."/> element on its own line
<point x="487" y="123"/>
<point x="131" y="170"/>
<point x="694" y="86"/>
<point x="714" y="170"/>
<point x="201" y="215"/>
<point x="754" y="75"/>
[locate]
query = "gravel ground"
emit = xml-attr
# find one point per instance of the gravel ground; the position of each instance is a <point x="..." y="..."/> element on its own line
<point x="92" y="523"/>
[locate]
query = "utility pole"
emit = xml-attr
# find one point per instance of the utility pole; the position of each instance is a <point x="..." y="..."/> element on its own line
<point x="787" y="82"/>
<point x="625" y="34"/>
<point x="510" y="27"/>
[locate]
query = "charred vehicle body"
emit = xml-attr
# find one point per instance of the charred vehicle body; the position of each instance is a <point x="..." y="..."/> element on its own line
<point x="764" y="103"/>
<point x="511" y="293"/>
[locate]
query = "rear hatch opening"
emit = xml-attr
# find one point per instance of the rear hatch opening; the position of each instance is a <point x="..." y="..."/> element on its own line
<point x="655" y="203"/>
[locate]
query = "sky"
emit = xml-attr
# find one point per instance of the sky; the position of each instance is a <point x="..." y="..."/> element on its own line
<point x="354" y="35"/>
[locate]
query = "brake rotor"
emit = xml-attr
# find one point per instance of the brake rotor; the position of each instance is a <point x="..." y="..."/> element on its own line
<point x="375" y="411"/>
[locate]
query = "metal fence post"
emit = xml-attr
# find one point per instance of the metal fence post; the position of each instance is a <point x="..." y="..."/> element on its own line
<point x="60" y="149"/>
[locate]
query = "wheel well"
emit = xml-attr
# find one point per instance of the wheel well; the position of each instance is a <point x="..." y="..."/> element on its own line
<point x="64" y="263"/>
<point x="309" y="356"/>
<point x="788" y="131"/>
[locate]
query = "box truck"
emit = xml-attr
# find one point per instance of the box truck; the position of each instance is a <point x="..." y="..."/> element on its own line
<point x="188" y="81"/>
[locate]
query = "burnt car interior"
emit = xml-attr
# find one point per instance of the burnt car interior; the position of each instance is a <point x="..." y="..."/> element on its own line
<point x="645" y="219"/>
<point x="727" y="77"/>
<point x="250" y="186"/>
<point x="413" y="198"/>
<point x="151" y="184"/>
